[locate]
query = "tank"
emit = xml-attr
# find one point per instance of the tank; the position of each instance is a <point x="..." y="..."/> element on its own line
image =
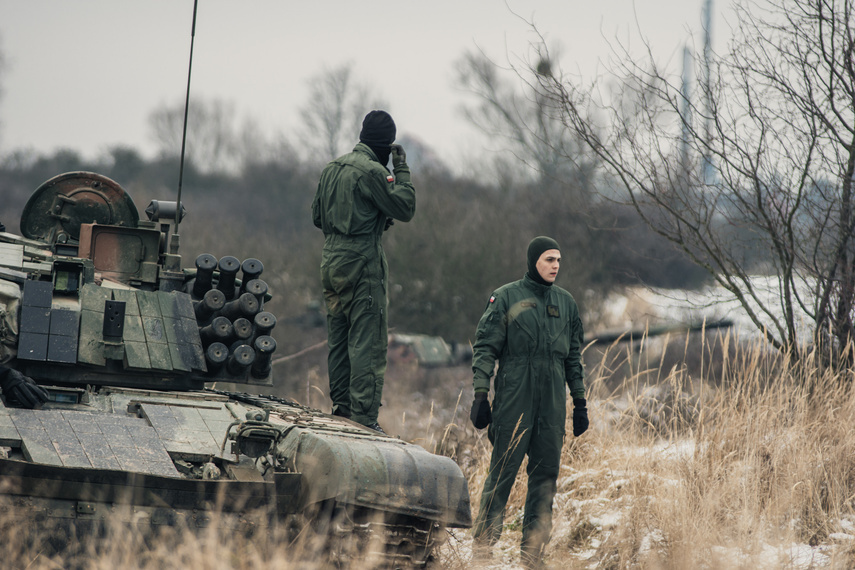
<point x="134" y="350"/>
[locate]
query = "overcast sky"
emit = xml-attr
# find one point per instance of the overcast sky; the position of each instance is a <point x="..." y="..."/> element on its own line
<point x="85" y="74"/>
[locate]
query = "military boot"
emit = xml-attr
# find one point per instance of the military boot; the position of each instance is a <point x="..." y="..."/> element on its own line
<point x="341" y="411"/>
<point x="531" y="557"/>
<point x="482" y="552"/>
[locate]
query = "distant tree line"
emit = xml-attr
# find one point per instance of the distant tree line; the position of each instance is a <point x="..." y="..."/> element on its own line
<point x="468" y="236"/>
<point x="248" y="194"/>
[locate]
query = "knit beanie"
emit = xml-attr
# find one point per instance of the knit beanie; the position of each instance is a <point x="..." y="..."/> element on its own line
<point x="535" y="249"/>
<point x="378" y="129"/>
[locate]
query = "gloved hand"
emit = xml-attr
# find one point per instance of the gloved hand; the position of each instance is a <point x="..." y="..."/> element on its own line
<point x="481" y="415"/>
<point x="18" y="388"/>
<point x="399" y="157"/>
<point x="580" y="416"/>
<point x="389" y="223"/>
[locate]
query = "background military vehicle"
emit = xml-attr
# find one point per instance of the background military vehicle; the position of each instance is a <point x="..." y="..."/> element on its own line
<point x="131" y="348"/>
<point x="428" y="351"/>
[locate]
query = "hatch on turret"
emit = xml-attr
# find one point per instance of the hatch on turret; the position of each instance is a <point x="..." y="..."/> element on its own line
<point x="56" y="210"/>
<point x="126" y="255"/>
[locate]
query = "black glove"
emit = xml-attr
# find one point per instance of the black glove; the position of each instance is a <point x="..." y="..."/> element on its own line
<point x="481" y="415"/>
<point x="18" y="388"/>
<point x="580" y="416"/>
<point x="389" y="223"/>
<point x="399" y="157"/>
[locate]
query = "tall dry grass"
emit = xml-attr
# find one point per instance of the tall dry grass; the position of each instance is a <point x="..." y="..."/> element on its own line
<point x="742" y="459"/>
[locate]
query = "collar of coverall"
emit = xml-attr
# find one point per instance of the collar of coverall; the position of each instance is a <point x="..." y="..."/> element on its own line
<point x="539" y="288"/>
<point x="378" y="154"/>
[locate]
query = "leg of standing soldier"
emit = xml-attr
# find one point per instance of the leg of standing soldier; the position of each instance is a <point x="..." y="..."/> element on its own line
<point x="338" y="361"/>
<point x="368" y="343"/>
<point x="510" y="443"/>
<point x="544" y="461"/>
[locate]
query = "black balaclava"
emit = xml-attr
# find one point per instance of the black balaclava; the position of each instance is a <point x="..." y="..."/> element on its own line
<point x="535" y="249"/>
<point x="378" y="132"/>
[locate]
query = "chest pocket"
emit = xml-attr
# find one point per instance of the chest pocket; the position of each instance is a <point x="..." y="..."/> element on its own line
<point x="559" y="330"/>
<point x="533" y="330"/>
<point x="523" y="328"/>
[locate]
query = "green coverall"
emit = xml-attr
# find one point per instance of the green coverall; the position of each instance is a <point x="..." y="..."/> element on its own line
<point x="535" y="333"/>
<point x="356" y="195"/>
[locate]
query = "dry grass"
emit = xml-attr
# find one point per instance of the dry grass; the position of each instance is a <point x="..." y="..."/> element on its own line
<point x="743" y="461"/>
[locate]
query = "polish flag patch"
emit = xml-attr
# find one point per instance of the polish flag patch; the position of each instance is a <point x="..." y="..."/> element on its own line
<point x="492" y="298"/>
<point x="389" y="178"/>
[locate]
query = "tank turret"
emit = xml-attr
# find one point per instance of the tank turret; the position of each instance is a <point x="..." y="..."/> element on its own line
<point x="101" y="303"/>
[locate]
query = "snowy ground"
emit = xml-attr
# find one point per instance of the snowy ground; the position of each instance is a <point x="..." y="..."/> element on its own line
<point x="638" y="307"/>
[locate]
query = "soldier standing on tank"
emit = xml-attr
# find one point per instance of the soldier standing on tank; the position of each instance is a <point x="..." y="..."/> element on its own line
<point x="357" y="200"/>
<point x="532" y="328"/>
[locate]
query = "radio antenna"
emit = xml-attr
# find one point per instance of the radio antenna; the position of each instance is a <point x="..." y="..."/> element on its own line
<point x="186" y="107"/>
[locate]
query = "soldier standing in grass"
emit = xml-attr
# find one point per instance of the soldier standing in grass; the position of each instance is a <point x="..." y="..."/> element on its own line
<point x="356" y="201"/>
<point x="532" y="328"/>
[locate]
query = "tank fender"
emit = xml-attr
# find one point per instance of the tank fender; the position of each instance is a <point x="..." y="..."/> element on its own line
<point x="386" y="474"/>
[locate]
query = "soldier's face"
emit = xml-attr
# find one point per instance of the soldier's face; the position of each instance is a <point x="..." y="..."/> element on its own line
<point x="547" y="264"/>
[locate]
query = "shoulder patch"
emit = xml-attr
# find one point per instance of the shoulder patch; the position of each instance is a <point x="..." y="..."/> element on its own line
<point x="390" y="178"/>
<point x="492" y="298"/>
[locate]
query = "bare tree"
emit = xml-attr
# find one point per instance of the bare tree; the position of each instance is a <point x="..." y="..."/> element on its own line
<point x="777" y="121"/>
<point x="212" y="134"/>
<point x="524" y="122"/>
<point x="553" y="166"/>
<point x="333" y="115"/>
